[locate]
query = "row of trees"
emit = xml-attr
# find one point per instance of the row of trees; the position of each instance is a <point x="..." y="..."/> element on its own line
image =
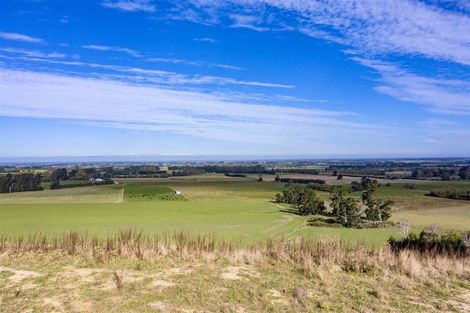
<point x="444" y="173"/>
<point x="234" y="169"/>
<point x="59" y="174"/>
<point x="300" y="180"/>
<point x="20" y="182"/>
<point x="345" y="209"/>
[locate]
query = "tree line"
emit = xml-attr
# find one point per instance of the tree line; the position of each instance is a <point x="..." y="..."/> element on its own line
<point x="20" y="182"/>
<point x="300" y="180"/>
<point x="442" y="172"/>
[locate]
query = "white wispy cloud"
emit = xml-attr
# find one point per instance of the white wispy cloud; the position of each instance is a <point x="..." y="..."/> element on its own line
<point x="205" y="39"/>
<point x="20" y="37"/>
<point x="137" y="54"/>
<point x="175" y="61"/>
<point x="248" y="21"/>
<point x="194" y="63"/>
<point x="407" y="27"/>
<point x="131" y="52"/>
<point x="117" y="104"/>
<point x="441" y="95"/>
<point x="33" y="53"/>
<point x="130" y="5"/>
<point x="143" y="75"/>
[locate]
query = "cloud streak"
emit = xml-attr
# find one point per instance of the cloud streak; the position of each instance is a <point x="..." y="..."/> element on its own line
<point x="205" y="39"/>
<point x="33" y="53"/>
<point x="128" y="51"/>
<point x="130" y="5"/>
<point x="441" y="95"/>
<point x="194" y="63"/>
<point x="143" y="75"/>
<point x="20" y="37"/>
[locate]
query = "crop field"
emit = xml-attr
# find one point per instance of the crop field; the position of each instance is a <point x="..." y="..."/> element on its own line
<point x="238" y="210"/>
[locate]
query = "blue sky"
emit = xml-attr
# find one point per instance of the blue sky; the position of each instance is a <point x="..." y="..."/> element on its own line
<point x="240" y="77"/>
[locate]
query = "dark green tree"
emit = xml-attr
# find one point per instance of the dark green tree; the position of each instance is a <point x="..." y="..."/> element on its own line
<point x="309" y="203"/>
<point x="292" y="194"/>
<point x="348" y="213"/>
<point x="54" y="183"/>
<point x="337" y="195"/>
<point x="59" y="174"/>
<point x="377" y="209"/>
<point x="464" y="173"/>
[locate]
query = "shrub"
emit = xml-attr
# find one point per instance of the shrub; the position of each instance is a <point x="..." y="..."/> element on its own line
<point x="430" y="241"/>
<point x="320" y="187"/>
<point x="302" y="181"/>
<point x="234" y="175"/>
<point x="319" y="221"/>
<point x="356" y="186"/>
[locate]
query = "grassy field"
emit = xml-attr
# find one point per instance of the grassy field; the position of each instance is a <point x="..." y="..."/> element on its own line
<point x="235" y="209"/>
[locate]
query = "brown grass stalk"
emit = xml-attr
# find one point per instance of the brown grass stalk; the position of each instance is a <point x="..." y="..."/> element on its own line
<point x="305" y="255"/>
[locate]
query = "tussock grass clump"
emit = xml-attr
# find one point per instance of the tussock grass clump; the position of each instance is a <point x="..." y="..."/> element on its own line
<point x="305" y="255"/>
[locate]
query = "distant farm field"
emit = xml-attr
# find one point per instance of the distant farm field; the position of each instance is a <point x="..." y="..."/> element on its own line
<point x="91" y="194"/>
<point x="234" y="209"/>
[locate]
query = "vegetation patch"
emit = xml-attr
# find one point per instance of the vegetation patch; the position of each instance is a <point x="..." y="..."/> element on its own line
<point x="451" y="193"/>
<point x="139" y="191"/>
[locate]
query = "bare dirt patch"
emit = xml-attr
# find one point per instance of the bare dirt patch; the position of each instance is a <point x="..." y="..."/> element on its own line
<point x="19" y="275"/>
<point x="236" y="272"/>
<point x="159" y="306"/>
<point x="161" y="283"/>
<point x="277" y="297"/>
<point x="85" y="274"/>
<point x="54" y="302"/>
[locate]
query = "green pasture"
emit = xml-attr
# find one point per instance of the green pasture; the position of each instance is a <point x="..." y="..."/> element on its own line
<point x="234" y="209"/>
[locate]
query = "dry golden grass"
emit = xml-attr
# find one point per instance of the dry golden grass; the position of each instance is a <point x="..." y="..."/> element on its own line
<point x="420" y="202"/>
<point x="133" y="272"/>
